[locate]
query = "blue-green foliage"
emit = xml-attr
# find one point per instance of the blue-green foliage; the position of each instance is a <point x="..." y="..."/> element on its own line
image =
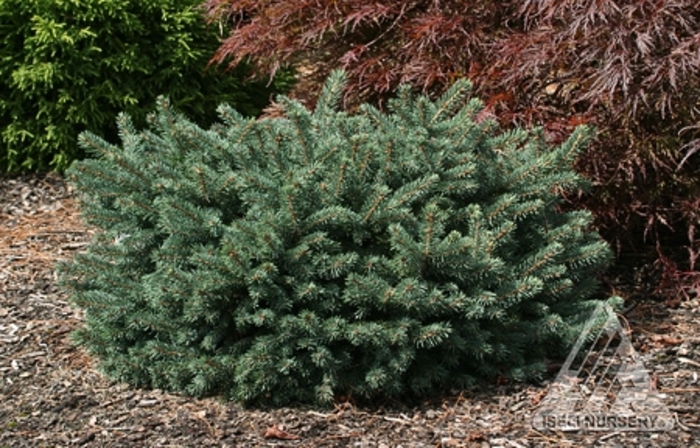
<point x="67" y="66"/>
<point x="291" y="259"/>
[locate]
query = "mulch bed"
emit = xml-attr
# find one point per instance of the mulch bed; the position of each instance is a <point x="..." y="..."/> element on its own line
<point x="52" y="396"/>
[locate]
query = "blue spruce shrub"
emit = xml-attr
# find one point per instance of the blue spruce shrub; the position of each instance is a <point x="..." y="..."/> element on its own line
<point x="292" y="259"/>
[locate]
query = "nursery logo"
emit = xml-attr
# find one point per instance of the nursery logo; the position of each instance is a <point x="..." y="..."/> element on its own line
<point x="603" y="385"/>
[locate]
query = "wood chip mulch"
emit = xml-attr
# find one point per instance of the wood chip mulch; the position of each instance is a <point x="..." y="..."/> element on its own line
<point x="52" y="396"/>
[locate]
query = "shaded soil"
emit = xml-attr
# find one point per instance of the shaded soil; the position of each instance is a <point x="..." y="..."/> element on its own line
<point x="52" y="396"/>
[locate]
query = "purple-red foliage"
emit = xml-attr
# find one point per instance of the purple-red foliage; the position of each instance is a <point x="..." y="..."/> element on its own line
<point x="630" y="67"/>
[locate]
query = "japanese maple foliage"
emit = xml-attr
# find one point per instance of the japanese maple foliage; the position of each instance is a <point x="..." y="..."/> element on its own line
<point x="630" y="67"/>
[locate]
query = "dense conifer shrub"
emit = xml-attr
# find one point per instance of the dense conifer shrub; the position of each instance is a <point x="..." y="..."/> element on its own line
<point x="71" y="65"/>
<point x="299" y="257"/>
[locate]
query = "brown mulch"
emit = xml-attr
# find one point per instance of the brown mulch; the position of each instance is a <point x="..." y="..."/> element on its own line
<point x="51" y="395"/>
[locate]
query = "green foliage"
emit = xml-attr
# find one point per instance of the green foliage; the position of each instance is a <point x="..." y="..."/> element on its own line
<point x="71" y="65"/>
<point x="295" y="258"/>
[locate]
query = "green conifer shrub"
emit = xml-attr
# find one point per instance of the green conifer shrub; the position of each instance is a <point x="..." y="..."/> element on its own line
<point x="296" y="258"/>
<point x="67" y="66"/>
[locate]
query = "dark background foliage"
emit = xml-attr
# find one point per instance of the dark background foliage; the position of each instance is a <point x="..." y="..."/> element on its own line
<point x="69" y="66"/>
<point x="629" y="67"/>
